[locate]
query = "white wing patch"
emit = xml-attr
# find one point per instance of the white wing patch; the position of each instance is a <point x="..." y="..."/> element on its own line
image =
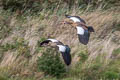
<point x="75" y="19"/>
<point x="61" y="48"/>
<point x="80" y="30"/>
<point x="53" y="40"/>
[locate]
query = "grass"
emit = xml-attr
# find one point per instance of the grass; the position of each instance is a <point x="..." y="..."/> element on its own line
<point x="51" y="64"/>
<point x="44" y="24"/>
<point x="116" y="52"/>
<point x="6" y="77"/>
<point x="5" y="28"/>
<point x="19" y="45"/>
<point x="83" y="56"/>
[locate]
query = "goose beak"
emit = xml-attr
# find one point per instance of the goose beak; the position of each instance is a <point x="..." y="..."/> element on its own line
<point x="63" y="22"/>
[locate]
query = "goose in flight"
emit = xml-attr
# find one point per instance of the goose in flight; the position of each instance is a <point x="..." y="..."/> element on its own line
<point x="83" y="30"/>
<point x="64" y="49"/>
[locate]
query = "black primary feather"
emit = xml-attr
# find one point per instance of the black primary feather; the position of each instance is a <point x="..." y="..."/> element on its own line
<point x="67" y="56"/>
<point x="44" y="42"/>
<point x="68" y="16"/>
<point x="84" y="39"/>
<point x="91" y="29"/>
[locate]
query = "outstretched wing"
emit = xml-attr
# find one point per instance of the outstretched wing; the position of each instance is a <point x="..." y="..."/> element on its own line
<point x="45" y="42"/>
<point x="76" y="18"/>
<point x="65" y="51"/>
<point x="67" y="56"/>
<point x="67" y="16"/>
<point x="53" y="40"/>
<point x="81" y="20"/>
<point x="83" y="35"/>
<point x="91" y="29"/>
<point x="49" y="40"/>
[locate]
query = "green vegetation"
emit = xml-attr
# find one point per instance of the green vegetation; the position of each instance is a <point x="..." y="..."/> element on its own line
<point x="116" y="52"/>
<point x="19" y="45"/>
<point x="34" y="19"/>
<point x="7" y="77"/>
<point x="33" y="6"/>
<point x="51" y="64"/>
<point x="83" y="56"/>
<point x="3" y="77"/>
<point x="111" y="71"/>
<point x="5" y="28"/>
<point x="111" y="75"/>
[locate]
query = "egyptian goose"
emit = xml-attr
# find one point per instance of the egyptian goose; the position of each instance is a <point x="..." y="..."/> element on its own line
<point x="83" y="30"/>
<point x="64" y="49"/>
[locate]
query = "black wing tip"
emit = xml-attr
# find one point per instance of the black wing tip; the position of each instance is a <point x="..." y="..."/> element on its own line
<point x="85" y="43"/>
<point x="83" y="39"/>
<point x="44" y="42"/>
<point x="66" y="15"/>
<point x="68" y="63"/>
<point x="41" y="44"/>
<point x="91" y="29"/>
<point x="66" y="58"/>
